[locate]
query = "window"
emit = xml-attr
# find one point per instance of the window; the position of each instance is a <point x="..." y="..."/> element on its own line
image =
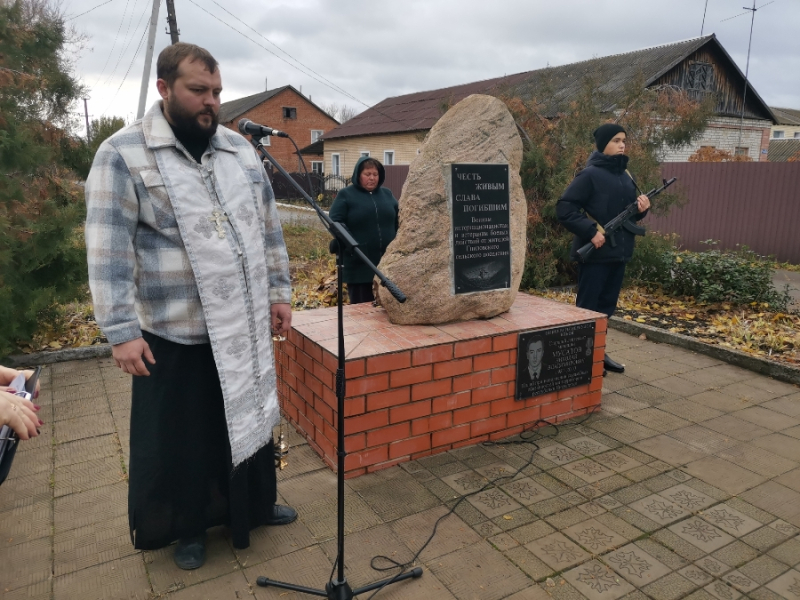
<point x="335" y="165"/>
<point x="740" y="151"/>
<point x="778" y="134"/>
<point x="289" y="112"/>
<point x="700" y="77"/>
<point x="797" y="134"/>
<point x="365" y="153"/>
<point x="388" y="157"/>
<point x="265" y="141"/>
<point x="317" y="166"/>
<point x="316" y="134"/>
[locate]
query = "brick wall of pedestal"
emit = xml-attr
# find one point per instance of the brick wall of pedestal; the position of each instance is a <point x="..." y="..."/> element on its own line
<point x="415" y="402"/>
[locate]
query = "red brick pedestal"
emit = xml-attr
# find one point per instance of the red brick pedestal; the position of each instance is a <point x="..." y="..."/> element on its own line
<point x="418" y="390"/>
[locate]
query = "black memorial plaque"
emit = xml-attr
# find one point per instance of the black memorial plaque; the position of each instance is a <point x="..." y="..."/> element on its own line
<point x="549" y="360"/>
<point x="481" y="218"/>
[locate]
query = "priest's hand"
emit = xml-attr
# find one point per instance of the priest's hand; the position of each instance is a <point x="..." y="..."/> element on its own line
<point x="281" y="318"/>
<point x="128" y="356"/>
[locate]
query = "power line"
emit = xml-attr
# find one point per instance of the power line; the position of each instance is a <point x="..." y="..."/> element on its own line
<point x="135" y="54"/>
<point x="317" y="79"/>
<point x="88" y="11"/>
<point x="128" y="45"/>
<point x="116" y="37"/>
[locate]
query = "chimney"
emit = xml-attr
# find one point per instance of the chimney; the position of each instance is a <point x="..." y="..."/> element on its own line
<point x="266" y="84"/>
<point x="301" y="90"/>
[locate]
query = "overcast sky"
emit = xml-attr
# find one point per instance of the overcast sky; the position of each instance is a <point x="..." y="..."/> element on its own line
<point x="380" y="49"/>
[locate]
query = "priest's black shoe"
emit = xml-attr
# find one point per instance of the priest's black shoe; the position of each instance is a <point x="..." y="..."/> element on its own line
<point x="190" y="553"/>
<point x="613" y="365"/>
<point x="281" y="515"/>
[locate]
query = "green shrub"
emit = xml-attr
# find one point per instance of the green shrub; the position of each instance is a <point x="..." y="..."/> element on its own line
<point x="652" y="259"/>
<point x="740" y="277"/>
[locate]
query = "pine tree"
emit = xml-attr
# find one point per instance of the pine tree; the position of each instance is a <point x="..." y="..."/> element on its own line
<point x="42" y="255"/>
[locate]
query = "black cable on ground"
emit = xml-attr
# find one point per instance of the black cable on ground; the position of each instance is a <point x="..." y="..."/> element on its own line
<point x="527" y="436"/>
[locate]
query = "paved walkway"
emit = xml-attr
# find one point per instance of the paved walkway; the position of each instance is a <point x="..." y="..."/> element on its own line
<point x="687" y="484"/>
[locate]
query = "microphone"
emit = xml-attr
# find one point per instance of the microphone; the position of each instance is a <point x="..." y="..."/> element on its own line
<point x="247" y="127"/>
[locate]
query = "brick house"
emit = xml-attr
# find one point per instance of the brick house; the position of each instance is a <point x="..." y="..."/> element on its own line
<point x="286" y="109"/>
<point x="393" y="130"/>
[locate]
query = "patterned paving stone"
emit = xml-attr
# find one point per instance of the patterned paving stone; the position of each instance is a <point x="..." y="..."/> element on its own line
<point x="740" y="581"/>
<point x="586" y="446"/>
<point x="763" y="539"/>
<point x="671" y="587"/>
<point x="730" y="520"/>
<point x="703" y="439"/>
<point x="595" y="581"/>
<point x="26" y="564"/>
<point x="588" y="470"/>
<point x="724" y="474"/>
<point x="557" y="551"/>
<point x="91" y="545"/>
<point x="758" y="460"/>
<point x="617" y="461"/>
<point x="624" y="430"/>
<point x="787" y="585"/>
<point x="592" y="508"/>
<point x="658" y="420"/>
<point x="635" y="565"/>
<point x="736" y="554"/>
<point x="659" y="509"/>
<point x="509" y="521"/>
<point x="526" y="491"/>
<point x="736" y="428"/>
<point x="534" y="568"/>
<point x="783" y="527"/>
<point x="594" y="536"/>
<point x="559" y="454"/>
<point x="696" y="575"/>
<point x="309" y="568"/>
<point x="498" y="472"/>
<point x="777" y="500"/>
<point x="712" y="566"/>
<point x="465" y="482"/>
<point x="703" y="535"/>
<point x="723" y="591"/>
<point x="493" y="503"/>
<point x="763" y="569"/>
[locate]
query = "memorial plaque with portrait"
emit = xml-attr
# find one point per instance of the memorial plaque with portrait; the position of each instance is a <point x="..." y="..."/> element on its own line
<point x="481" y="235"/>
<point x="550" y="360"/>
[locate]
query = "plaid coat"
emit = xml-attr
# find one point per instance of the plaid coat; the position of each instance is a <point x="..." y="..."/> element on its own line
<point x="139" y="271"/>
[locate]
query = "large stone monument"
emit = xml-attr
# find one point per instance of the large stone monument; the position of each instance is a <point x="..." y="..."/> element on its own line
<point x="460" y="249"/>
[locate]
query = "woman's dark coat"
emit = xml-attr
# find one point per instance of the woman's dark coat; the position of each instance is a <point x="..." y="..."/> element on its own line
<point x="371" y="217"/>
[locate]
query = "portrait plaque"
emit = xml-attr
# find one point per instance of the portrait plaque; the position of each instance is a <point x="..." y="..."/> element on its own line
<point x="481" y="236"/>
<point x="549" y="360"/>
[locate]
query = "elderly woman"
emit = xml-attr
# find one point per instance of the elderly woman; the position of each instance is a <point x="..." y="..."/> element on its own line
<point x="370" y="212"/>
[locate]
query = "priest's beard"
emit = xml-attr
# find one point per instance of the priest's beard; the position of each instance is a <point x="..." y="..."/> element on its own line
<point x="186" y="121"/>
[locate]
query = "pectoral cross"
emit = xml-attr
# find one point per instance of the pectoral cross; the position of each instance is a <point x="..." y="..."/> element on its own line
<point x="218" y="218"/>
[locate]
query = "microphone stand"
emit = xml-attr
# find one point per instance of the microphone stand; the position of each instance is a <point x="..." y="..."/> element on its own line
<point x="338" y="589"/>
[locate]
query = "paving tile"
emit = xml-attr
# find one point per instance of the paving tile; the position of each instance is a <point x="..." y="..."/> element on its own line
<point x="718" y="401"/>
<point x="762" y="569"/>
<point x="724" y="474"/>
<point x="80" y="477"/>
<point x="703" y="439"/>
<point x="557" y="551"/>
<point x="586" y="446"/>
<point x="735" y="428"/>
<point x="769" y="419"/>
<point x="773" y="386"/>
<point x="682" y="385"/>
<point x="631" y="493"/>
<point x="696" y="575"/>
<point x="321" y="516"/>
<point x="485" y="529"/>
<point x="659" y="509"/>
<point x="740" y="581"/>
<point x="26" y="564"/>
<point x="594" y="580"/>
<point x="763" y="539"/>
<point x="559" y="454"/>
<point x="752" y="390"/>
<point x="690" y="410"/>
<point x="650" y="394"/>
<point x="662" y="554"/>
<point x="493" y="503"/>
<point x="777" y="500"/>
<point x="86" y="449"/>
<point x="465" y="482"/>
<point x="787" y="405"/>
<point x="660" y="482"/>
<point x="526" y="491"/>
<point x="784" y="528"/>
<point x="589" y="470"/>
<point x="671" y="587"/>
<point x="788" y="552"/>
<point x="617" y="404"/>
<point x="636" y="565"/>
<point x="657" y="419"/>
<point x="617" y="461"/>
<point x="703" y="535"/>
<point x="309" y="568"/>
<point x="595" y="536"/>
<point x="489" y="572"/>
<point x="730" y="520"/>
<point x="736" y="554"/>
<point x="758" y="460"/>
<point x="669" y="450"/>
<point x="763" y="593"/>
<point x="514" y="519"/>
<point x="787" y="585"/>
<point x="624" y="430"/>
<point x="122" y="578"/>
<point x="607" y="502"/>
<point x="722" y="590"/>
<point x="688" y="498"/>
<point x="232" y="585"/>
<point x="93" y="506"/>
<point x="712" y="566"/>
<point x="91" y="545"/>
<point x="592" y="509"/>
<point x="267" y="543"/>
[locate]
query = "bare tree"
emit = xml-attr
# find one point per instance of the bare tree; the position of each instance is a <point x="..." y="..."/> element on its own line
<point x="340" y="112"/>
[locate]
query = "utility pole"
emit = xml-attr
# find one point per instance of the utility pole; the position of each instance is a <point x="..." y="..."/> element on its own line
<point x="86" y="114"/>
<point x="172" y="22"/>
<point x="148" y="59"/>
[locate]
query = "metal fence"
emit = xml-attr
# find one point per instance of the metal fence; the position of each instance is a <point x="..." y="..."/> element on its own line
<point x="755" y="204"/>
<point x="750" y="204"/>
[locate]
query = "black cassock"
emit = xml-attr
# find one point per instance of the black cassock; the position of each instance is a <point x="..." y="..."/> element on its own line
<point x="180" y="474"/>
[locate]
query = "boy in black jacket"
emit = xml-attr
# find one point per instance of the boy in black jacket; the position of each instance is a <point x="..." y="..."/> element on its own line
<point x="598" y="194"/>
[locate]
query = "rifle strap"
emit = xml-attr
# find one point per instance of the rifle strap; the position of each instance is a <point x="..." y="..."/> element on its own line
<point x="596" y="222"/>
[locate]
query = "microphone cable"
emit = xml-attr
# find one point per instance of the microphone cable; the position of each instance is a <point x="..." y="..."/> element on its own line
<point x="527" y="436"/>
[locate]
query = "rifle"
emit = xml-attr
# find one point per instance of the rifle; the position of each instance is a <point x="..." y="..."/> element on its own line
<point x="621" y="220"/>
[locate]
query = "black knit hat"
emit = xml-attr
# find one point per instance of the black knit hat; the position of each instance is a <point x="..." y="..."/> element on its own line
<point x="604" y="133"/>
